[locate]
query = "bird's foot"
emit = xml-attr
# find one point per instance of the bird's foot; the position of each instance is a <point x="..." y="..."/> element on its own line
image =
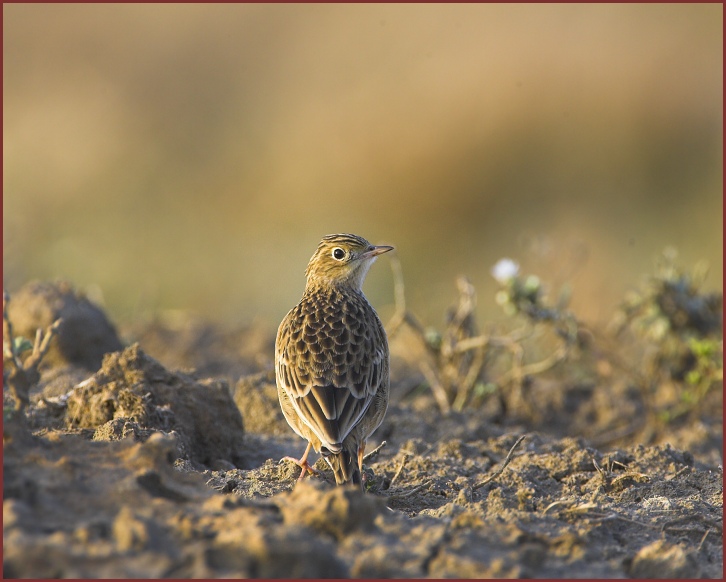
<point x="304" y="465"/>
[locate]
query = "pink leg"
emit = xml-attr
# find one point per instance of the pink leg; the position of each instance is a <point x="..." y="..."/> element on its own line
<point x="303" y="463"/>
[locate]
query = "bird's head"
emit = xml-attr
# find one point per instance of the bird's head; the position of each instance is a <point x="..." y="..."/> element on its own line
<point x="342" y="259"/>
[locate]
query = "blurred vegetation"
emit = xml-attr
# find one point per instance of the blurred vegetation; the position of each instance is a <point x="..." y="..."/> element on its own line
<point x="656" y="367"/>
<point x="191" y="156"/>
<point x="681" y="329"/>
<point x="21" y="370"/>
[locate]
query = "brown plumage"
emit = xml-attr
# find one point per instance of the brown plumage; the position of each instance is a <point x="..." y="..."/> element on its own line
<point x="331" y="358"/>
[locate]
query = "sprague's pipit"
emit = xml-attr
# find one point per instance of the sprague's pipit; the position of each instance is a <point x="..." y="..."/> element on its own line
<point x="331" y="358"/>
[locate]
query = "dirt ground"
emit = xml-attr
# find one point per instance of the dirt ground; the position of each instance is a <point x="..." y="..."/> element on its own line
<point x="164" y="461"/>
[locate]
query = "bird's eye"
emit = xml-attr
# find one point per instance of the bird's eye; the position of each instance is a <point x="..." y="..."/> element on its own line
<point x="338" y="254"/>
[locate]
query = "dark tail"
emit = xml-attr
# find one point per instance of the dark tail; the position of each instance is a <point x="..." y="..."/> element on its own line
<point x="345" y="466"/>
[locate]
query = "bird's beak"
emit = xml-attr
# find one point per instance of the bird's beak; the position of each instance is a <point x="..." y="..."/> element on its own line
<point x="375" y="251"/>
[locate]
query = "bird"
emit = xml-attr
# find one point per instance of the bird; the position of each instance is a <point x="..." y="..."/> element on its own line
<point x="332" y="359"/>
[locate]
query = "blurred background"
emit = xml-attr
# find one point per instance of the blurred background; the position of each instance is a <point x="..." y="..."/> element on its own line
<point x="190" y="157"/>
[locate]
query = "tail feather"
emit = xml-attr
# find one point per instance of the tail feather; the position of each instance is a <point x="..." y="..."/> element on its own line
<point x="345" y="466"/>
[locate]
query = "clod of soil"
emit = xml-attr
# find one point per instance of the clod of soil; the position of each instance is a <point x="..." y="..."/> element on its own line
<point x="663" y="560"/>
<point x="85" y="334"/>
<point x="134" y="394"/>
<point x="256" y="397"/>
<point x="335" y="512"/>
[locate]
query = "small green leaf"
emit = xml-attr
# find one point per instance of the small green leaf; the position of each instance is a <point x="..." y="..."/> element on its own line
<point x="21" y="344"/>
<point x="481" y="389"/>
<point x="693" y="377"/>
<point x="703" y="348"/>
<point x="433" y="338"/>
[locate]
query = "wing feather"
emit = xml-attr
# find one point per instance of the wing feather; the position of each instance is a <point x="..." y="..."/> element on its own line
<point x="330" y="374"/>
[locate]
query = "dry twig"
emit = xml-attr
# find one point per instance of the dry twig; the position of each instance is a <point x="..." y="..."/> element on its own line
<point x="458" y="356"/>
<point x="437" y="389"/>
<point x="374" y="453"/>
<point x="703" y="539"/>
<point x="400" y="468"/>
<point x="709" y="523"/>
<point x="499" y="471"/>
<point x="408" y="493"/>
<point x="23" y="375"/>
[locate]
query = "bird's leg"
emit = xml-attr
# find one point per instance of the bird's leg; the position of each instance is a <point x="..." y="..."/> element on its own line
<point x="302" y="462"/>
